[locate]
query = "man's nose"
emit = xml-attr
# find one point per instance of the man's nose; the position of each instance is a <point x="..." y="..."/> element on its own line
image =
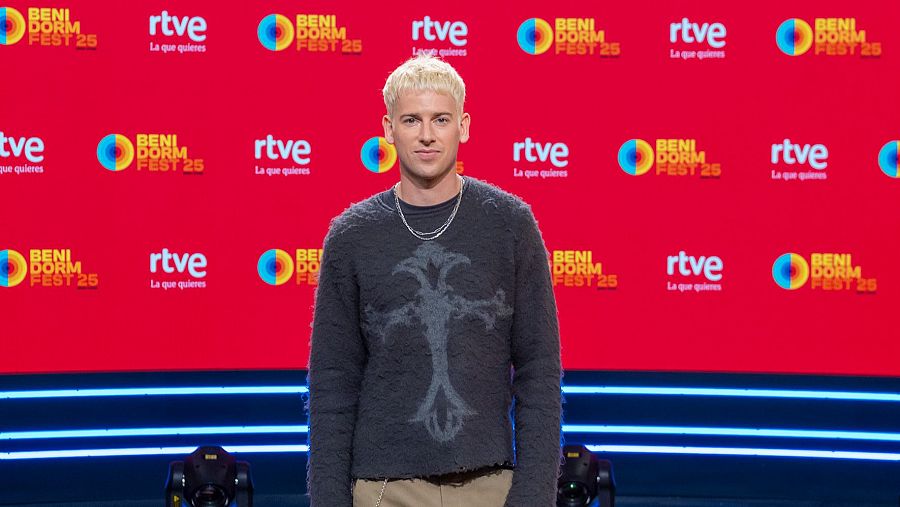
<point x="426" y="133"/>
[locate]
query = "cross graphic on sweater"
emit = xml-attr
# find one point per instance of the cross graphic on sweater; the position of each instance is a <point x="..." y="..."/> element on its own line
<point x="436" y="303"/>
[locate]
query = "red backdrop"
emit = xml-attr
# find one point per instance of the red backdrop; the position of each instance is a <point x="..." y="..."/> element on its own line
<point x="735" y="103"/>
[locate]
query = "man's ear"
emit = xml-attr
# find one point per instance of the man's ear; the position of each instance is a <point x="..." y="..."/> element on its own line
<point x="388" y="128"/>
<point x="464" y="127"/>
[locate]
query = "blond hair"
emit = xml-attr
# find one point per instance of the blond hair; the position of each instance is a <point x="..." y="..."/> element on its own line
<point x="424" y="72"/>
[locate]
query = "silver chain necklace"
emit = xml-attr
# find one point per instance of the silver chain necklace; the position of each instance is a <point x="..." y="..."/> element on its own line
<point x="381" y="495"/>
<point x="428" y="236"/>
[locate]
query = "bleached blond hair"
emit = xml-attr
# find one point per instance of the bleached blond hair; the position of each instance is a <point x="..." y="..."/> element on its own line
<point x="424" y="72"/>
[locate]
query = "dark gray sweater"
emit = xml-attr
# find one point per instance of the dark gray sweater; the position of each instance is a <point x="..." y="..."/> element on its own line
<point x="419" y="348"/>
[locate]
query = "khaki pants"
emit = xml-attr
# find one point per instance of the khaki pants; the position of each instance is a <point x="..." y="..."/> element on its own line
<point x="481" y="488"/>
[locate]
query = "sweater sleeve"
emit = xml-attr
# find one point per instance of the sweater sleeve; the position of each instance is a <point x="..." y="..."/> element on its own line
<point x="537" y="371"/>
<point x="336" y="362"/>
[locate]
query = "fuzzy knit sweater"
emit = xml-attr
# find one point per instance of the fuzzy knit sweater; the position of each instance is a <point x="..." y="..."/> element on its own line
<point x="420" y="347"/>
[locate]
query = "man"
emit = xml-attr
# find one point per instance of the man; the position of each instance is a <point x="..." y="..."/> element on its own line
<point x="434" y="310"/>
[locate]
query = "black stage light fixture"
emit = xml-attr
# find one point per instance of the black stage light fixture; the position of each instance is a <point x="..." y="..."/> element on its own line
<point x="209" y="477"/>
<point x="585" y="478"/>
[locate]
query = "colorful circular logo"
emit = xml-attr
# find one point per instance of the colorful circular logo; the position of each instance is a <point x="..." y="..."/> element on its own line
<point x="12" y="26"/>
<point x="275" y="266"/>
<point x="535" y="36"/>
<point x="12" y="268"/>
<point x="636" y="157"/>
<point x="378" y="155"/>
<point x="115" y="152"/>
<point x="794" y="37"/>
<point x="888" y="159"/>
<point x="275" y="32"/>
<point x="790" y="271"/>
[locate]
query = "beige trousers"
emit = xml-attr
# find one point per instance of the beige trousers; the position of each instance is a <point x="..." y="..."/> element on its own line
<point x="486" y="488"/>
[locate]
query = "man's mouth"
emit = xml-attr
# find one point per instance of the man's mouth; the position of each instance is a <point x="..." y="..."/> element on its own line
<point x="427" y="154"/>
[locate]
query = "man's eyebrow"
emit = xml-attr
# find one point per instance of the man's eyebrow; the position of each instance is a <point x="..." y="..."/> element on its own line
<point x="419" y="116"/>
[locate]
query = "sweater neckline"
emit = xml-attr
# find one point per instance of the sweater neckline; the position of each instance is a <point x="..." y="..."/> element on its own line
<point x="387" y="200"/>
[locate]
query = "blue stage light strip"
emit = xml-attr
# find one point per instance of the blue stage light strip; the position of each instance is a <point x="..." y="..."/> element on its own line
<point x="643" y="449"/>
<point x="151" y="391"/>
<point x="567" y="428"/>
<point x="597" y="390"/>
<point x="741" y="393"/>
<point x="144" y="451"/>
<point x="739" y="451"/>
<point x="152" y="432"/>
<point x="732" y="432"/>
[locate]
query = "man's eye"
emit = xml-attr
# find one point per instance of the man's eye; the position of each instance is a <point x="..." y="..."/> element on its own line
<point x="409" y="121"/>
<point x="443" y="120"/>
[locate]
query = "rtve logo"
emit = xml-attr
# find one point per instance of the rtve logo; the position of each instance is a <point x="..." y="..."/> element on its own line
<point x="711" y="33"/>
<point x="556" y="153"/>
<point x="194" y="264"/>
<point x="816" y="155"/>
<point x="31" y="147"/>
<point x="276" y="149"/>
<point x="194" y="26"/>
<point x="455" y="31"/>
<point x="710" y="267"/>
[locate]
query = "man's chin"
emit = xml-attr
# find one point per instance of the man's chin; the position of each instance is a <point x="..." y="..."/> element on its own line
<point x="428" y="175"/>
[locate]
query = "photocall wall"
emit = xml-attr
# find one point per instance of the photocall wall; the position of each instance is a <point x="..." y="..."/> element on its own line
<point x="717" y="185"/>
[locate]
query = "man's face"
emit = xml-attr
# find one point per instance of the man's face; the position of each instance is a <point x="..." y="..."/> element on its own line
<point x="426" y="128"/>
